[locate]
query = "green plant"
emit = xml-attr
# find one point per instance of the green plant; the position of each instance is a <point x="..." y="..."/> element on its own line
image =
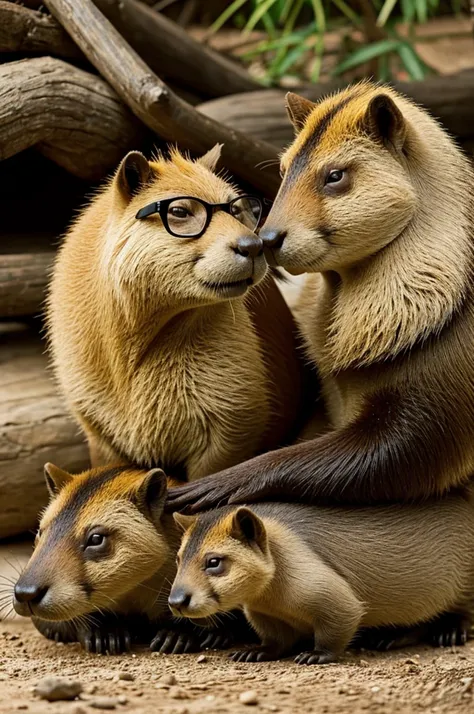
<point x="295" y="33"/>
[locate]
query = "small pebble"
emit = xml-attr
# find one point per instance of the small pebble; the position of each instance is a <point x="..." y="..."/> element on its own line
<point x="375" y="689"/>
<point x="177" y="693"/>
<point x="55" y="689"/>
<point x="103" y="703"/>
<point x="122" y="699"/>
<point x="126" y="676"/>
<point x="168" y="679"/>
<point x="201" y="658"/>
<point x="22" y="706"/>
<point x="249" y="698"/>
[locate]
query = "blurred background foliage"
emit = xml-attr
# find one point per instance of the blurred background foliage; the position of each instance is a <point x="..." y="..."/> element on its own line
<point x="374" y="38"/>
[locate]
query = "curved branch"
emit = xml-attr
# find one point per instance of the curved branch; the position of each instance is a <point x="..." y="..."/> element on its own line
<point x="72" y="117"/>
<point x="154" y="103"/>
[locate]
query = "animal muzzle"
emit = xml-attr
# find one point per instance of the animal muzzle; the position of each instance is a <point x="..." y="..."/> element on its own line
<point x="272" y="237"/>
<point x="179" y="599"/>
<point x="28" y="595"/>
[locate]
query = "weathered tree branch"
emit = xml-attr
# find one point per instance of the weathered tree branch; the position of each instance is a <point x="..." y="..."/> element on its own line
<point x="154" y="103"/>
<point x="23" y="281"/>
<point x="29" y="31"/>
<point x="35" y="427"/>
<point x="72" y="117"/>
<point x="262" y="114"/>
<point x="173" y="54"/>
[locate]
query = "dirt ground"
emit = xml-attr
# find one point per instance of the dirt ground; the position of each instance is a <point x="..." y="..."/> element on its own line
<point x="406" y="681"/>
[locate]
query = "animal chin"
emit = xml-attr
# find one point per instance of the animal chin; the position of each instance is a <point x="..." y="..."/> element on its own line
<point x="229" y="289"/>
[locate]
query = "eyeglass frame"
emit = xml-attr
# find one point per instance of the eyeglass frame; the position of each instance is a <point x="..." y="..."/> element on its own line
<point x="161" y="207"/>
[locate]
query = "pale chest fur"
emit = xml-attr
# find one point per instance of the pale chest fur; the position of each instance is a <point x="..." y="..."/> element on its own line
<point x="314" y="314"/>
<point x="193" y="405"/>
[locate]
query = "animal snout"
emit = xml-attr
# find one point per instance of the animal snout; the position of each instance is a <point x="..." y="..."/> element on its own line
<point x="30" y="593"/>
<point x="179" y="598"/>
<point x="249" y="246"/>
<point x="272" y="237"/>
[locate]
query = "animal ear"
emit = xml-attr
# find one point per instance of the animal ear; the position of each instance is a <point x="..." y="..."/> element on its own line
<point x="133" y="173"/>
<point x="56" y="479"/>
<point x="248" y="527"/>
<point x="384" y="121"/>
<point x="182" y="521"/>
<point x="210" y="159"/>
<point x="298" y="108"/>
<point x="150" y="495"/>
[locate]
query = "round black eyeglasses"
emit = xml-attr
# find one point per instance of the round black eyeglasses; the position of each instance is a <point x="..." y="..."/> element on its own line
<point x="188" y="217"/>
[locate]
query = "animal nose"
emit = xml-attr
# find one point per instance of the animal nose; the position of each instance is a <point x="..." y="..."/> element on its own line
<point x="249" y="246"/>
<point x="272" y="237"/>
<point x="179" y="598"/>
<point x="27" y="593"/>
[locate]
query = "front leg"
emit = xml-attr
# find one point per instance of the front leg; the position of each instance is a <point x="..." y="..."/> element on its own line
<point x="335" y="611"/>
<point x="277" y="639"/>
<point x="375" y="458"/>
<point x="106" y="633"/>
<point x="56" y="631"/>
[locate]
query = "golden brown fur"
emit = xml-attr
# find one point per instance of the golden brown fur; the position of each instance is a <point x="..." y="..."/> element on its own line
<point x="376" y="204"/>
<point x="158" y="367"/>
<point x="126" y="506"/>
<point x="302" y="571"/>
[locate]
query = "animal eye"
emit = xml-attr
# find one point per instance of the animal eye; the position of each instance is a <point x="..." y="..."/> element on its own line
<point x="214" y="565"/>
<point x="335" y="176"/>
<point x="96" y="541"/>
<point x="179" y="212"/>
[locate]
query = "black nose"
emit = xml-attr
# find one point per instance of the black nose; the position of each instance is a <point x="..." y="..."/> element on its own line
<point x="249" y="246"/>
<point x="30" y="593"/>
<point x="179" y="597"/>
<point x="272" y="237"/>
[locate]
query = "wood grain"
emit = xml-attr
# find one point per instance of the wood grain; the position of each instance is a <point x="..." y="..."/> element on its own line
<point x="71" y="116"/>
<point x="153" y="101"/>
<point x="35" y="427"/>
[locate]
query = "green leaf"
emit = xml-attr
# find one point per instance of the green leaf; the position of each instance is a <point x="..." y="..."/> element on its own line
<point x="289" y="60"/>
<point x="385" y="12"/>
<point x="348" y="12"/>
<point x="421" y="7"/>
<point x="366" y="53"/>
<point x="412" y="63"/>
<point x="319" y="15"/>
<point x="261" y="9"/>
<point x="408" y="10"/>
<point x="226" y="15"/>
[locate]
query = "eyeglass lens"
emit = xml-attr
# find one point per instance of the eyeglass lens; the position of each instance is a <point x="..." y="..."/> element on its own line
<point x="247" y="210"/>
<point x="186" y="217"/>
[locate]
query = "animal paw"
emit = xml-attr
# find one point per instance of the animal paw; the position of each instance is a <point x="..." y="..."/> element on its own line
<point x="449" y="630"/>
<point x="315" y="657"/>
<point x="216" y="640"/>
<point x="174" y="642"/>
<point x="260" y="653"/>
<point x="56" y="631"/>
<point x="105" y="639"/>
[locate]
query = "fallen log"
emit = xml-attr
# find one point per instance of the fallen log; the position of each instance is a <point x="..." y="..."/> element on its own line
<point x="29" y="31"/>
<point x="153" y="101"/>
<point x="23" y="281"/>
<point x="262" y="114"/>
<point x="71" y="116"/>
<point x="34" y="428"/>
<point x="173" y="54"/>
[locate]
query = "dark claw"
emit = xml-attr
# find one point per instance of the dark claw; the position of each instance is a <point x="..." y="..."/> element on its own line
<point x="254" y="654"/>
<point x="315" y="657"/>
